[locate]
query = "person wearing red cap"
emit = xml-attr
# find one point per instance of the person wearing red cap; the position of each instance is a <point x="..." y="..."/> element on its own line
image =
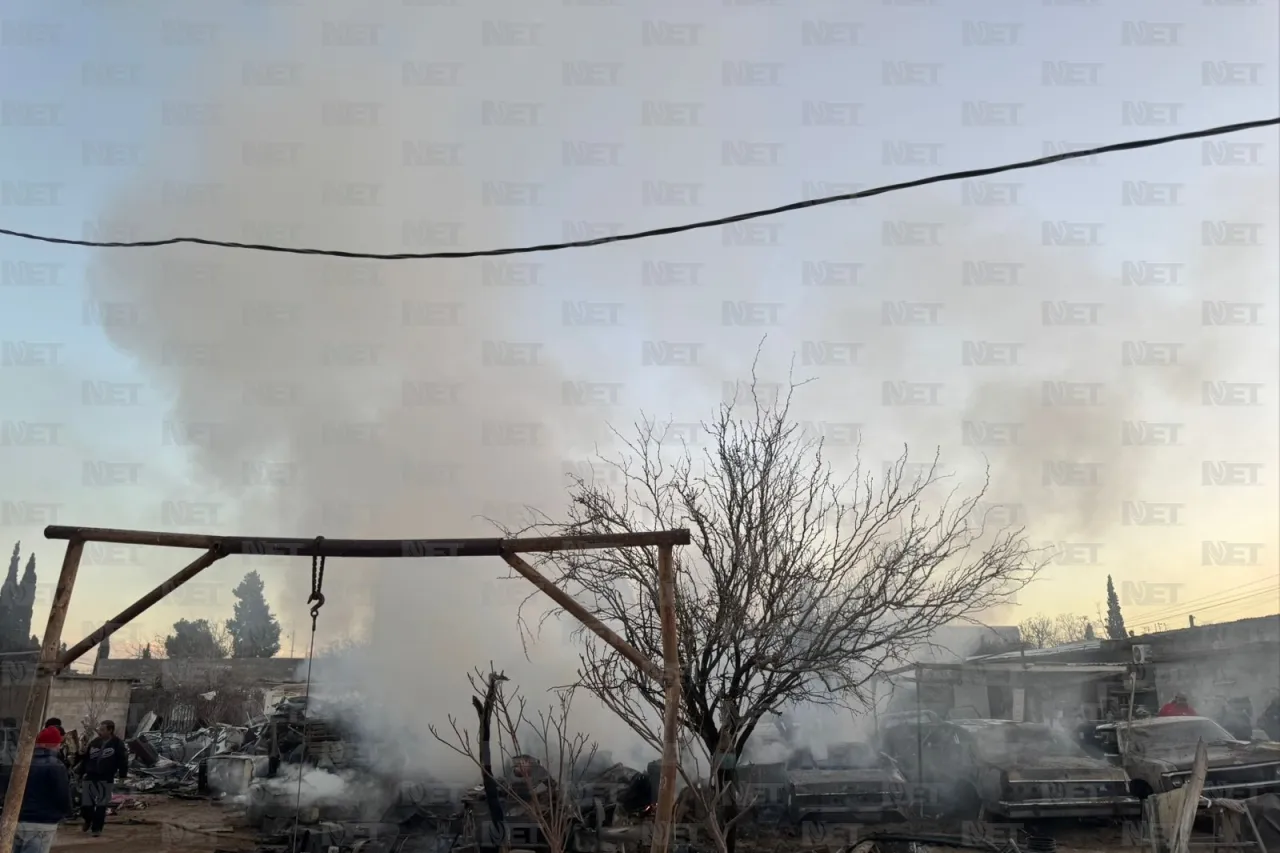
<point x="1179" y="707"/>
<point x="47" y="798"/>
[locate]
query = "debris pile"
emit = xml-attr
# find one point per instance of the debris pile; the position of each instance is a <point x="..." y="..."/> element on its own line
<point x="305" y="783"/>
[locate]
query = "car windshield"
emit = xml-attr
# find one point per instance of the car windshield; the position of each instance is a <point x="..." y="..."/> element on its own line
<point x="1175" y="733"/>
<point x="1024" y="743"/>
<point x="845" y="756"/>
<point x="908" y="718"/>
<point x="851" y="756"/>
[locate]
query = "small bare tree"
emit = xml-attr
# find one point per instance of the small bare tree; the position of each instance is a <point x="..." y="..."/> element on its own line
<point x="800" y="586"/>
<point x="508" y="735"/>
<point x="1043" y="632"/>
<point x="1038" y="632"/>
<point x="134" y="651"/>
<point x="98" y="698"/>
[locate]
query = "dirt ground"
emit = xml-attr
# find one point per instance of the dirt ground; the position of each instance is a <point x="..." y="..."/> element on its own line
<point x="169" y="825"/>
<point x="1070" y="837"/>
<point x="165" y="824"/>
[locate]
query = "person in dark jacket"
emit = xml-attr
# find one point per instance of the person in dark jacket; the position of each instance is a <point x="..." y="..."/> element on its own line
<point x="47" y="798"/>
<point x="104" y="760"/>
<point x="1237" y="718"/>
<point x="62" y="749"/>
<point x="1269" y="720"/>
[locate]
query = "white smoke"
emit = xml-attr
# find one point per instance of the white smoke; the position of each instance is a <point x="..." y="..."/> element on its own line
<point x="388" y="400"/>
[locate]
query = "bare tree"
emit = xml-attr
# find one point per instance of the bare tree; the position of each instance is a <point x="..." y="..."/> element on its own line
<point x="558" y="751"/>
<point x="1043" y="632"/>
<point x="1038" y="632"/>
<point x="136" y="651"/>
<point x="800" y="586"/>
<point x="1072" y="627"/>
<point x="97" y="699"/>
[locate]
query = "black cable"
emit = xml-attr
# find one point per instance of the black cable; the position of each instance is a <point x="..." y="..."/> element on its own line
<point x="671" y="229"/>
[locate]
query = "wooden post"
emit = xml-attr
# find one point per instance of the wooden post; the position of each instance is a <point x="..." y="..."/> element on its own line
<point x="920" y="783"/>
<point x="671" y="703"/>
<point x="39" y="694"/>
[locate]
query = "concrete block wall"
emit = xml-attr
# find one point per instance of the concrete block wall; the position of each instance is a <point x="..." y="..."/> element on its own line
<point x="1207" y="680"/>
<point x="75" y="698"/>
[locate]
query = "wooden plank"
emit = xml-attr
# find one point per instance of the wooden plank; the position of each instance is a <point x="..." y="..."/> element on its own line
<point x="368" y="548"/>
<point x="1180" y="840"/>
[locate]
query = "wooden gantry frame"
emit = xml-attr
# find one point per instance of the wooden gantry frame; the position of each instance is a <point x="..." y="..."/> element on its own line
<point x="217" y="547"/>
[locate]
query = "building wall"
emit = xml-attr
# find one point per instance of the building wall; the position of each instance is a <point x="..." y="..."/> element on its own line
<point x="202" y="674"/>
<point x="1208" y="680"/>
<point x="16" y="675"/>
<point x="80" y="698"/>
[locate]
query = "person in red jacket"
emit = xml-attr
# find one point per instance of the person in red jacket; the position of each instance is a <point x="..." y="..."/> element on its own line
<point x="1178" y="708"/>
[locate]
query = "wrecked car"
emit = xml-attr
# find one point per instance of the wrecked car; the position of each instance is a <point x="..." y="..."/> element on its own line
<point x="1158" y="753"/>
<point x="1010" y="770"/>
<point x="854" y="783"/>
<point x="888" y="722"/>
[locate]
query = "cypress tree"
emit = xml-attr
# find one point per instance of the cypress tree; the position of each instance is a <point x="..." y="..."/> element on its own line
<point x="11" y="639"/>
<point x="26" y="601"/>
<point x="1115" y="619"/>
<point x="254" y="631"/>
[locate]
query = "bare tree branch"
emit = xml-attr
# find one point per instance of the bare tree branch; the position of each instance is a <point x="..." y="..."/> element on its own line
<point x="800" y="586"/>
<point x="545" y="758"/>
<point x="1042" y="632"/>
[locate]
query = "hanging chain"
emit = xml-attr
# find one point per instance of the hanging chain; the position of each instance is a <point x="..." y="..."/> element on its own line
<point x="316" y="600"/>
<point x="317" y="582"/>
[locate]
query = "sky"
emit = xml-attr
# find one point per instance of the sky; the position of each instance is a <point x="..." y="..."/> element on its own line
<point x="1076" y="329"/>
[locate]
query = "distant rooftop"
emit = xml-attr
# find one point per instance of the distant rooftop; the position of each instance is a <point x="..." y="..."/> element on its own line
<point x="1260" y="628"/>
<point x="1052" y="651"/>
<point x="1211" y="628"/>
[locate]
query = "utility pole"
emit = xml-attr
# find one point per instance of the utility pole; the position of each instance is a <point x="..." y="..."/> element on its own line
<point x="292" y="632"/>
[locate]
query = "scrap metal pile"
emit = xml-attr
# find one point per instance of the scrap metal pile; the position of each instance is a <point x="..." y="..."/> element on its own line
<point x="221" y="758"/>
<point x="308" y="786"/>
<point x="365" y="810"/>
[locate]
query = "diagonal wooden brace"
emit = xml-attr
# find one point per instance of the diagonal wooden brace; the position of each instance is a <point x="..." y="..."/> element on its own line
<point x="577" y="611"/>
<point x="133" y="611"/>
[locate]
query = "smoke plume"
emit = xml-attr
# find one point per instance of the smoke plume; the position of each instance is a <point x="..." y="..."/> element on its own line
<point x="422" y="399"/>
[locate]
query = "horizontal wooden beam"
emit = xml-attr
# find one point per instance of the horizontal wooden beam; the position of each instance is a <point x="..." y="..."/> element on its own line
<point x="369" y="548"/>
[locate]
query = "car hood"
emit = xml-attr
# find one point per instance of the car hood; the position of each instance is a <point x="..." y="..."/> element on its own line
<point x="835" y="781"/>
<point x="1098" y="772"/>
<point x="1056" y="767"/>
<point x="1181" y="757"/>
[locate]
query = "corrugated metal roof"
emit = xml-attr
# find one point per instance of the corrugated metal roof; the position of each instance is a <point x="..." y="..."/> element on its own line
<point x="1052" y="651"/>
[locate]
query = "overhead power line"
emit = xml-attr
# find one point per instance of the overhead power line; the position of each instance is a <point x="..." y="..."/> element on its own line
<point x="1235" y="613"/>
<point x="1195" y="609"/>
<point x="1221" y="130"/>
<point x="1251" y="596"/>
<point x="1176" y="609"/>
